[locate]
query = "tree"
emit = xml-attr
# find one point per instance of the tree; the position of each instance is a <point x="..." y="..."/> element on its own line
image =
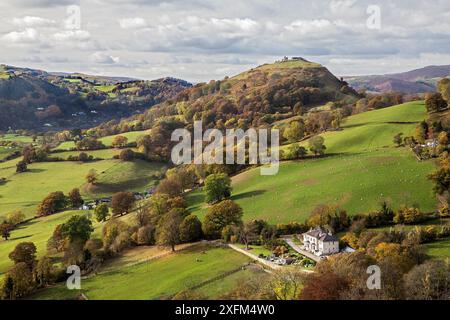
<point x="190" y="229"/>
<point x="119" y="142"/>
<point x="15" y="218"/>
<point x="77" y="228"/>
<point x="421" y="132"/>
<point x="92" y="176"/>
<point x="296" y="151"/>
<point x="43" y="273"/>
<point x="111" y="231"/>
<point x="316" y="145"/>
<point x="443" y="138"/>
<point x="127" y="155"/>
<point x="217" y="187"/>
<point x="221" y="215"/>
<point x="53" y="203"/>
<point x="168" y="230"/>
<point x="170" y="186"/>
<point x="22" y="280"/>
<point x="122" y="202"/>
<point x="24" y="252"/>
<point x="101" y="212"/>
<point x="75" y="198"/>
<point x="287" y="284"/>
<point x="324" y="286"/>
<point x="5" y="230"/>
<point x="247" y="233"/>
<point x="428" y="281"/>
<point x="434" y="102"/>
<point x="146" y="235"/>
<point x="398" y="139"/>
<point x="294" y="132"/>
<point x="444" y="89"/>
<point x="83" y="157"/>
<point x="7" y="289"/>
<point x="441" y="179"/>
<point x="21" y="166"/>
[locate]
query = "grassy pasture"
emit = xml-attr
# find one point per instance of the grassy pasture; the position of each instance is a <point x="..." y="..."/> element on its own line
<point x="37" y="231"/>
<point x="132" y="136"/>
<point x="362" y="169"/>
<point x="126" y="176"/>
<point x="439" y="249"/>
<point x="159" y="278"/>
<point x="24" y="191"/>
<point x="16" y="138"/>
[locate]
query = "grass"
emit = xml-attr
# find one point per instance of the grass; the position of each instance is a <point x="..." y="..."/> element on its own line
<point x="439" y="249"/>
<point x="107" y="141"/>
<point x="217" y="289"/>
<point x="256" y="250"/>
<point x="16" y="138"/>
<point x="363" y="167"/>
<point x="37" y="231"/>
<point x="25" y="190"/>
<point x="67" y="145"/>
<point x="4" y="152"/>
<point x="156" y="279"/>
<point x="132" y="136"/>
<point x="126" y="176"/>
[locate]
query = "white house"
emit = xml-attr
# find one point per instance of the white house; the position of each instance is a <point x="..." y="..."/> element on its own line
<point x="320" y="242"/>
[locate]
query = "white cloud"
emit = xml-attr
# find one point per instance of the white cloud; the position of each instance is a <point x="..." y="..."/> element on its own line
<point x="103" y="58"/>
<point x="132" y="23"/>
<point x="29" y="35"/>
<point x="72" y="35"/>
<point x="31" y="21"/>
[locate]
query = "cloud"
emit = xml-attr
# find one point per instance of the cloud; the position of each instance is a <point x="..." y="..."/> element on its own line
<point x="45" y="3"/>
<point x="132" y="23"/>
<point x="201" y="39"/>
<point x="29" y="35"/>
<point x="103" y="58"/>
<point x="31" y="21"/>
<point x="72" y="35"/>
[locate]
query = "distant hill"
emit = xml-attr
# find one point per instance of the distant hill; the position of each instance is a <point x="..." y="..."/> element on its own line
<point x="415" y="81"/>
<point x="35" y="99"/>
<point x="257" y="97"/>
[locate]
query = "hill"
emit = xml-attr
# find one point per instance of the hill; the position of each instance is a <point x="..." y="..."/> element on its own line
<point x="163" y="277"/>
<point x="255" y="98"/>
<point x="34" y="99"/>
<point x="415" y="81"/>
<point x="363" y="167"/>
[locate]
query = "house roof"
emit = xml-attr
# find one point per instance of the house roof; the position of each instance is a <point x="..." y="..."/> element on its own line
<point x="322" y="235"/>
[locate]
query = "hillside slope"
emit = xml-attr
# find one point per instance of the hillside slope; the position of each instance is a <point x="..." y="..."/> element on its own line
<point x="363" y="167"/>
<point x="257" y="97"/>
<point x="34" y="99"/>
<point x="415" y="81"/>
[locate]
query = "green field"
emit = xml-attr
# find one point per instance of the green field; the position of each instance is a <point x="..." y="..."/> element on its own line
<point x="439" y="249"/>
<point x="16" y="138"/>
<point x="4" y="152"/>
<point x="362" y="169"/>
<point x="24" y="191"/>
<point x="126" y="176"/>
<point x="107" y="141"/>
<point x="37" y="231"/>
<point x="159" y="278"/>
<point x="132" y="136"/>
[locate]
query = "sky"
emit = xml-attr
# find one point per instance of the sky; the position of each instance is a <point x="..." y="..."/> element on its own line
<point x="199" y="40"/>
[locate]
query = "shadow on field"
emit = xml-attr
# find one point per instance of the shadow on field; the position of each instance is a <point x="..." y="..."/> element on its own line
<point x="248" y="194"/>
